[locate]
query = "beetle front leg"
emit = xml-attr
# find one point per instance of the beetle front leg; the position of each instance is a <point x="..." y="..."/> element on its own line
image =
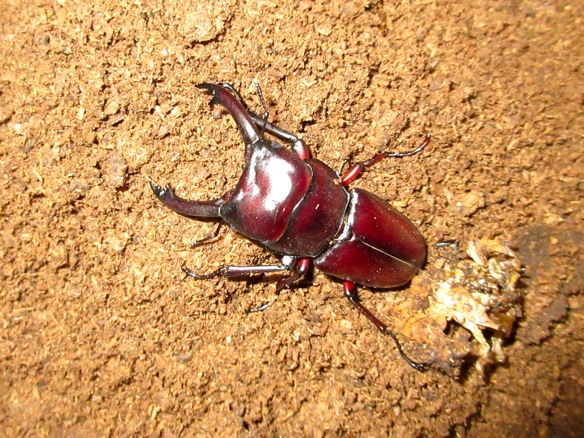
<point x="298" y="145"/>
<point x="355" y="170"/>
<point x="239" y="271"/>
<point x="299" y="268"/>
<point x="351" y="293"/>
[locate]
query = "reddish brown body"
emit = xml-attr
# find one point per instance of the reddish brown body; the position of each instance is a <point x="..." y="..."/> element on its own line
<point x="299" y="208"/>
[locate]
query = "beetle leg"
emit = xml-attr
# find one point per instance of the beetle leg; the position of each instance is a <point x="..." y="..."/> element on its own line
<point x="298" y="145"/>
<point x="206" y="238"/>
<point x="351" y="293"/>
<point x="185" y="207"/>
<point x="356" y="169"/>
<point x="236" y="271"/>
<point x="300" y="268"/>
<point x="259" y="309"/>
<point x="239" y="271"/>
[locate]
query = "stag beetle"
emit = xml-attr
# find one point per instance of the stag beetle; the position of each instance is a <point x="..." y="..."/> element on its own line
<point x="299" y="208"/>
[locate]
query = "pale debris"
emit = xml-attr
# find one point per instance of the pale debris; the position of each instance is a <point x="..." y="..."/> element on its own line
<point x="479" y="293"/>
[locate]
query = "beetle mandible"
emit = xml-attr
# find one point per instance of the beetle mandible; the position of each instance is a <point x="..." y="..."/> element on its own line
<point x="300" y="209"/>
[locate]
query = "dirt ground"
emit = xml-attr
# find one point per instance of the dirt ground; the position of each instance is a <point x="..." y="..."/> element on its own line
<point x="102" y="334"/>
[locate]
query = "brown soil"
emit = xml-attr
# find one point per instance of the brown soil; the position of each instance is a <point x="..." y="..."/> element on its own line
<point x="101" y="333"/>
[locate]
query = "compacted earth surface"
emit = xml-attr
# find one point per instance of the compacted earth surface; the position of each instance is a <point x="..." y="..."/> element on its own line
<point x="101" y="332"/>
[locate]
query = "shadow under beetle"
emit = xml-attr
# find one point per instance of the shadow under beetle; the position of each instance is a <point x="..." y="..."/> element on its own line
<point x="299" y="208"/>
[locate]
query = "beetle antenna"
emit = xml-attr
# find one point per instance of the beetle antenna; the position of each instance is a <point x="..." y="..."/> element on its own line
<point x="256" y="84"/>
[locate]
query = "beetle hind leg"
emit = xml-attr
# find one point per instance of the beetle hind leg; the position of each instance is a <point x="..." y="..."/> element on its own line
<point x="351" y="293"/>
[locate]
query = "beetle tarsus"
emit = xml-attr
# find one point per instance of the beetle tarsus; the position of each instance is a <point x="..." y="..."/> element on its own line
<point x="384" y="155"/>
<point x="207" y="238"/>
<point x="217" y="273"/>
<point x="415" y="365"/>
<point x="350" y="290"/>
<point x="299" y="268"/>
<point x="259" y="309"/>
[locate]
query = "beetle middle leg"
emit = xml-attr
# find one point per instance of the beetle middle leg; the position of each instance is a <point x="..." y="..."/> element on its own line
<point x="298" y="267"/>
<point x="355" y="170"/>
<point x="230" y="271"/>
<point x="350" y="290"/>
<point x="299" y="272"/>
